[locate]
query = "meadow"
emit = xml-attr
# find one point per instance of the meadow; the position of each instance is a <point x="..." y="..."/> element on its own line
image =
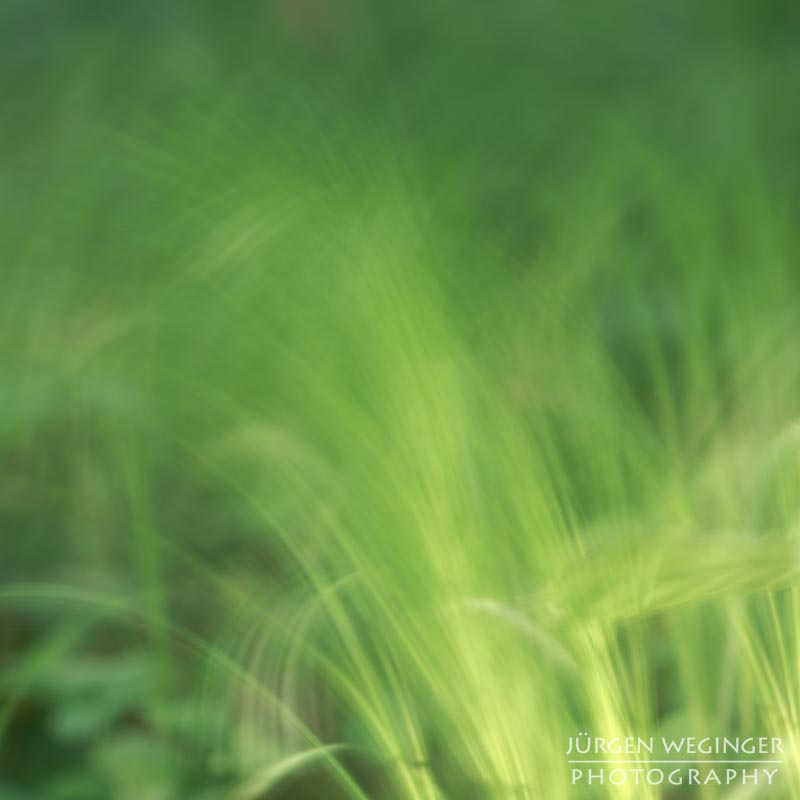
<point x="391" y="393"/>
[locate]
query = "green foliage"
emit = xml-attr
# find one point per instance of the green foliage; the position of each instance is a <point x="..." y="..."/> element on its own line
<point x="391" y="392"/>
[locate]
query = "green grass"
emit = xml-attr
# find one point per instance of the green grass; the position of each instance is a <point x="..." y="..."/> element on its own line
<point x="390" y="394"/>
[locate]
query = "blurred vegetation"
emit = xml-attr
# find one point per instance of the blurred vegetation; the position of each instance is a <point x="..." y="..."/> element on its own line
<point x="391" y="391"/>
